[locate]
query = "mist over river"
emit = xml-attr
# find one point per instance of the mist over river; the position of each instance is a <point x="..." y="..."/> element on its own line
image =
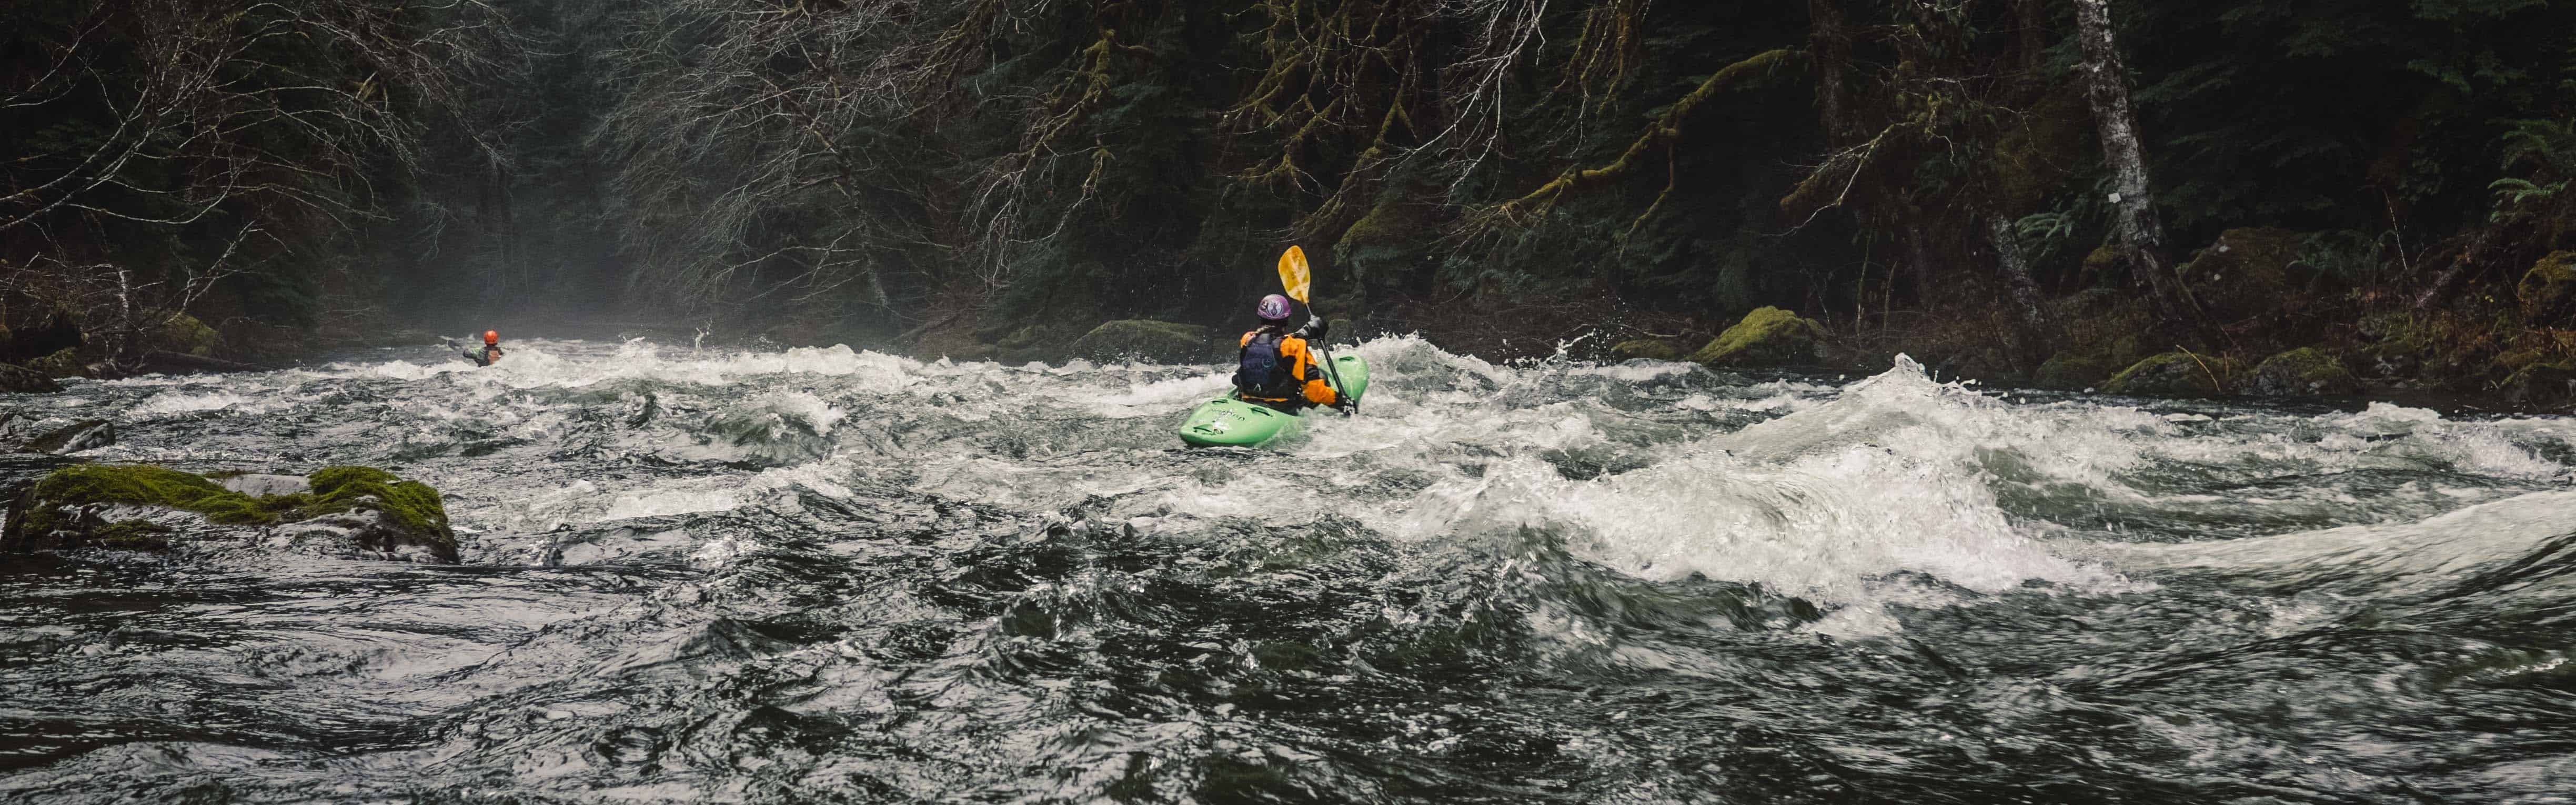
<point x="825" y="575"/>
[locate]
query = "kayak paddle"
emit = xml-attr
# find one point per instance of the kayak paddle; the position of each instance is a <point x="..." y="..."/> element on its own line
<point x="1299" y="282"/>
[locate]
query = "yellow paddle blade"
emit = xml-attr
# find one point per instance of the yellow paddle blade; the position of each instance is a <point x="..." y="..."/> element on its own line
<point x="1293" y="275"/>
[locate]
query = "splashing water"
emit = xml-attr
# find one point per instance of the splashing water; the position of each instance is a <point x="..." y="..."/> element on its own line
<point x="837" y="575"/>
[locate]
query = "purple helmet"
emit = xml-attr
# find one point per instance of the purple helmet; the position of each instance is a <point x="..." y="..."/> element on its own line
<point x="1274" y="308"/>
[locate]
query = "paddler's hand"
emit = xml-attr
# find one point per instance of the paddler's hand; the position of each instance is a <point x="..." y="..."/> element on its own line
<point x="1345" y="406"/>
<point x="1314" y="330"/>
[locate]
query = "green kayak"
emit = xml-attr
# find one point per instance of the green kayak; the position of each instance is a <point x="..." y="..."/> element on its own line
<point x="1229" y="422"/>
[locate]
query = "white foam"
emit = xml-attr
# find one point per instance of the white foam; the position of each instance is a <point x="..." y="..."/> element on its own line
<point x="1823" y="503"/>
<point x="1160" y="397"/>
<point x="2377" y="559"/>
<point x="171" y="402"/>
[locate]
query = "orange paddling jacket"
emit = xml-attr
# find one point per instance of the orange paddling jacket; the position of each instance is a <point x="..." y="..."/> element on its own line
<point x="1301" y="366"/>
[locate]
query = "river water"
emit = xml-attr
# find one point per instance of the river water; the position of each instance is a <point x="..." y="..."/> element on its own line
<point x="836" y="576"/>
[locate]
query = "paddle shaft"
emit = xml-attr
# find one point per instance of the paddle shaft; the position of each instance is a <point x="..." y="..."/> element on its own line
<point x="1340" y="391"/>
<point x="1298" y="281"/>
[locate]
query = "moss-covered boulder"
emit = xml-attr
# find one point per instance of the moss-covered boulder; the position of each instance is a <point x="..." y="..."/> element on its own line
<point x="1032" y="343"/>
<point x="185" y="335"/>
<point x="2548" y="386"/>
<point x="2101" y="264"/>
<point x="2254" y="280"/>
<point x="349" y="512"/>
<point x="15" y="379"/>
<point x="1766" y="337"/>
<point x="2302" y="371"/>
<point x="2071" y="371"/>
<point x="62" y="363"/>
<point x="1147" y="340"/>
<point x="1647" y="348"/>
<point x="2175" y="374"/>
<point x="2548" y="290"/>
<point x="2243" y="272"/>
<point x="368" y="513"/>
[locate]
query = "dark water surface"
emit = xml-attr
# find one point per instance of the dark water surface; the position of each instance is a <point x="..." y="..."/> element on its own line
<point x="826" y="576"/>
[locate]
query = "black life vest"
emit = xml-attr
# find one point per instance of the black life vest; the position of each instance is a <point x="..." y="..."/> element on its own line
<point x="1262" y="372"/>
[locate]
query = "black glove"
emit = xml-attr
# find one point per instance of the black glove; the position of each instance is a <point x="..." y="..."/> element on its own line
<point x="1344" y="405"/>
<point x="1314" y="330"/>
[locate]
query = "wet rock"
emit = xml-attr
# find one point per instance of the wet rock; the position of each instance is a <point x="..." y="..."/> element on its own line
<point x="1148" y="340"/>
<point x="2548" y="290"/>
<point x="92" y="504"/>
<point x="2302" y="371"/>
<point x="16" y="379"/>
<point x="1767" y="336"/>
<point x="351" y="512"/>
<point x="2174" y="374"/>
<point x="1647" y="348"/>
<point x="368" y="513"/>
<point x="75" y="437"/>
<point x="261" y="486"/>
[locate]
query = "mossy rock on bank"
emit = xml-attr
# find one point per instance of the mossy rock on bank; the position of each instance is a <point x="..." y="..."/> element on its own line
<point x="2548" y="291"/>
<point x="2300" y="372"/>
<point x="347" y="512"/>
<point x="15" y="379"/>
<point x="1647" y="348"/>
<point x="1147" y="340"/>
<point x="63" y="363"/>
<point x="1767" y="336"/>
<point x="2253" y="279"/>
<point x="184" y="334"/>
<point x="2550" y="385"/>
<point x="1033" y="343"/>
<point x="2068" y="371"/>
<point x="2175" y="374"/>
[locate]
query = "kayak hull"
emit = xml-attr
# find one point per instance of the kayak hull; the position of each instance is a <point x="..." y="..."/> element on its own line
<point x="1229" y="422"/>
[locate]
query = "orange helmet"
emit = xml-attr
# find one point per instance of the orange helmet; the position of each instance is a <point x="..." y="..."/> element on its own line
<point x="491" y="336"/>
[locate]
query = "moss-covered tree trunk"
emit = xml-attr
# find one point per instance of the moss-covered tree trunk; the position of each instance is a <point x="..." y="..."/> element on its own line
<point x="2141" y="232"/>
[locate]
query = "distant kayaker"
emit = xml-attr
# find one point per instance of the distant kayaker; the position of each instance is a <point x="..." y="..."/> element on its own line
<point x="1276" y="369"/>
<point x="491" y="351"/>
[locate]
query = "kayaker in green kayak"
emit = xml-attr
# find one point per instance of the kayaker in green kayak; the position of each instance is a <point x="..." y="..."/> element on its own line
<point x="1276" y="369"/>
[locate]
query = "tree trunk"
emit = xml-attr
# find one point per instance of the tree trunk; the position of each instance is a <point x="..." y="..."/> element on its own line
<point x="2031" y="340"/>
<point x="2032" y="20"/>
<point x="1829" y="45"/>
<point x="2142" y="234"/>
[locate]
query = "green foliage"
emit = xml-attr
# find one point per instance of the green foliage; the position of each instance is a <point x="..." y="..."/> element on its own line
<point x="2548" y="290"/>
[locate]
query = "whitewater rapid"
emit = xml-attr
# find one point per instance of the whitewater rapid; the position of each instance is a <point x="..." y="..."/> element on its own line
<point x="834" y="574"/>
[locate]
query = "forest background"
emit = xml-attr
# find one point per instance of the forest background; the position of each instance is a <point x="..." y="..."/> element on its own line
<point x="2318" y="197"/>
